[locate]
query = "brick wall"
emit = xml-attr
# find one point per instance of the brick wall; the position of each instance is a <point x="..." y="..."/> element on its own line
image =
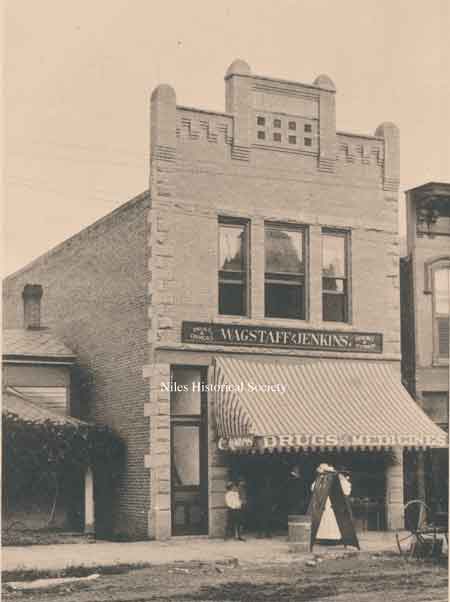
<point x="95" y="301"/>
<point x="342" y="180"/>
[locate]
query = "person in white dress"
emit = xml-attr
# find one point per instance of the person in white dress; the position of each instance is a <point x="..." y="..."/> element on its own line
<point x="328" y="529"/>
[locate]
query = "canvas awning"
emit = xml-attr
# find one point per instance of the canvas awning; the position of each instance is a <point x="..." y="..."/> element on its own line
<point x="317" y="404"/>
<point x="15" y="402"/>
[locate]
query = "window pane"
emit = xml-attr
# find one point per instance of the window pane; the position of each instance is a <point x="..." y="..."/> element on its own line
<point x="442" y="291"/>
<point x="435" y="405"/>
<point x="284" y="301"/>
<point x="333" y="255"/>
<point x="184" y="401"/>
<point x="333" y="284"/>
<point x="284" y="250"/>
<point x="334" y="307"/>
<point x="232" y="247"/>
<point x="186" y="455"/>
<point x="443" y="336"/>
<point x="232" y="299"/>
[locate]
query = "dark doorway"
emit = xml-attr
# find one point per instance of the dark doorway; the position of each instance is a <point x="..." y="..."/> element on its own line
<point x="189" y="451"/>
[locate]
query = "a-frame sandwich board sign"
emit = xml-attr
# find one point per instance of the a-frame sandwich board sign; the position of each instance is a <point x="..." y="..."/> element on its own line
<point x="328" y="485"/>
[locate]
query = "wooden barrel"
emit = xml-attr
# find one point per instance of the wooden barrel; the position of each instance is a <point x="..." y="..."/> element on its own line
<point x="299" y="530"/>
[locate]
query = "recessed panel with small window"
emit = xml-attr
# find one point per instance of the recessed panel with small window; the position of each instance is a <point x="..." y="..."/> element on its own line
<point x="334" y="277"/>
<point x="233" y="268"/>
<point x="284" y="272"/>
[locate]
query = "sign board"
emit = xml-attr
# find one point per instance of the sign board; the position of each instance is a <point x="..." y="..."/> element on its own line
<point x="327" y="485"/>
<point x="329" y="440"/>
<point x="209" y="333"/>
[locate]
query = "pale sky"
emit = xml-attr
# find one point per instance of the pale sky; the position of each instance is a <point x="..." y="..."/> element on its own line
<point x="79" y="75"/>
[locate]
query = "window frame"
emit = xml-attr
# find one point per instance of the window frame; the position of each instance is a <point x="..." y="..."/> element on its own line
<point x="289" y="277"/>
<point x="347" y="294"/>
<point x="228" y="221"/>
<point x="200" y="422"/>
<point x="439" y="265"/>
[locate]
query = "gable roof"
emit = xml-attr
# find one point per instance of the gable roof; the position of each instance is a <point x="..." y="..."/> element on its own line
<point x="34" y="343"/>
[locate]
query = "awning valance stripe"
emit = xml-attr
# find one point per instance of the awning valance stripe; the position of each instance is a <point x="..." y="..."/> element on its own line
<point x="350" y="403"/>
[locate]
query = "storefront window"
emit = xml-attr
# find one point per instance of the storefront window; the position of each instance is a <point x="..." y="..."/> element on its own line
<point x="334" y="277"/>
<point x="441" y="295"/>
<point x="232" y="269"/>
<point x="189" y="451"/>
<point x="284" y="273"/>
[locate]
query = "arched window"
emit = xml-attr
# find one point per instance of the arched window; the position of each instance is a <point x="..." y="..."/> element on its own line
<point x="441" y="308"/>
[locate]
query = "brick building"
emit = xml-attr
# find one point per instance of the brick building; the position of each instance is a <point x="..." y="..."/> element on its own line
<point x="265" y="253"/>
<point x="425" y="291"/>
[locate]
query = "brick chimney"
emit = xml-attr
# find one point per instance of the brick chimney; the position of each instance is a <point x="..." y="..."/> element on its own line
<point x="32" y="294"/>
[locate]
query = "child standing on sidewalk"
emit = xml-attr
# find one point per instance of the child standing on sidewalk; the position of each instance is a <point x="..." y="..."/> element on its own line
<point x="234" y="504"/>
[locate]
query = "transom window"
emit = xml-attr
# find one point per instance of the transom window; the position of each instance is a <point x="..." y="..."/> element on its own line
<point x="334" y="276"/>
<point x="441" y="303"/>
<point x="284" y="272"/>
<point x="233" y="268"/>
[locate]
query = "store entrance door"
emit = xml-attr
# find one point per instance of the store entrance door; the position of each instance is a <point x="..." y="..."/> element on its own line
<point x="189" y="452"/>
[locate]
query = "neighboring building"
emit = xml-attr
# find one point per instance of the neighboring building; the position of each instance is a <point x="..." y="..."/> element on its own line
<point x="425" y="289"/>
<point x="37" y="371"/>
<point x="265" y="252"/>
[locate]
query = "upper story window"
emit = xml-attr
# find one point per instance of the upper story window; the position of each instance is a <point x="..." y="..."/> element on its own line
<point x="334" y="276"/>
<point x="284" y="272"/>
<point x="441" y="310"/>
<point x="233" y="252"/>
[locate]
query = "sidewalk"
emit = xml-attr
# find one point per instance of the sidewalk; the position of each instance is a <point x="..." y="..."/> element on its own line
<point x="178" y="549"/>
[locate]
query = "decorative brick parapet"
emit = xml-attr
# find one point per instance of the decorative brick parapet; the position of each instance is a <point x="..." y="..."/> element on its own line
<point x="196" y="124"/>
<point x="368" y="150"/>
<point x="391" y="173"/>
<point x="239" y="103"/>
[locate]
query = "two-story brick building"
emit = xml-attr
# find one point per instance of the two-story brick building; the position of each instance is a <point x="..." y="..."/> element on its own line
<point x="243" y="315"/>
<point x="425" y="324"/>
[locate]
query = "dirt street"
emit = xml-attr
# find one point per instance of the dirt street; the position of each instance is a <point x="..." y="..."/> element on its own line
<point x="361" y="579"/>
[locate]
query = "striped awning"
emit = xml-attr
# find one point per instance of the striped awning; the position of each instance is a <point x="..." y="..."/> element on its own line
<point x="317" y="404"/>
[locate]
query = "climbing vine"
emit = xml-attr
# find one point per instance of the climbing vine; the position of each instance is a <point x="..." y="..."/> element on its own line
<point x="41" y="453"/>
